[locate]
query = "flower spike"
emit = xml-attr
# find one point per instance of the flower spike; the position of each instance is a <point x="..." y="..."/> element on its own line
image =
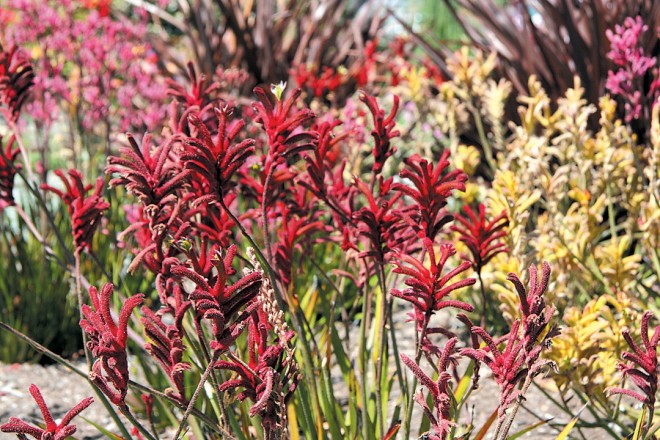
<point x="16" y="79"/>
<point x="642" y="365"/>
<point x="53" y="431"/>
<point x="86" y="211"/>
<point x="107" y="342"/>
<point x="7" y="172"/>
<point x="481" y="236"/>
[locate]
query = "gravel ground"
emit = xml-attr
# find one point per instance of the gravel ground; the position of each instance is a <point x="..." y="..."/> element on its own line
<point x="62" y="390"/>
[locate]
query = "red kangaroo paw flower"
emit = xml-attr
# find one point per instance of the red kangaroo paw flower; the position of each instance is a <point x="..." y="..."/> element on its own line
<point x="53" y="430"/>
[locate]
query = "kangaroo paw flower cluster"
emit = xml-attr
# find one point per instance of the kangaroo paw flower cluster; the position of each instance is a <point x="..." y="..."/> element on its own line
<point x="55" y="431"/>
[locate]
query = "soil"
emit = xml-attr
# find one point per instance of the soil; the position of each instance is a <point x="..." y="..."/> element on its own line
<point x="62" y="390"/>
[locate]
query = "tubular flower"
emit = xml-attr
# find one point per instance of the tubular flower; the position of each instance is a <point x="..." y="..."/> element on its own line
<point x="428" y="288"/>
<point x="642" y="366"/>
<point x="268" y="378"/>
<point x="107" y="342"/>
<point x="431" y="191"/>
<point x="166" y="344"/>
<point x="85" y="211"/>
<point x="293" y="228"/>
<point x="320" y="161"/>
<point x="226" y="307"/>
<point x="16" y="79"/>
<point x="152" y="177"/>
<point x="214" y="163"/>
<point x="508" y="366"/>
<point x="7" y="173"/>
<point x="379" y="222"/>
<point x="285" y="133"/>
<point x="536" y="315"/>
<point x="199" y="95"/>
<point x="383" y="131"/>
<point x="481" y="236"/>
<point x="54" y="431"/>
<point x="439" y="391"/>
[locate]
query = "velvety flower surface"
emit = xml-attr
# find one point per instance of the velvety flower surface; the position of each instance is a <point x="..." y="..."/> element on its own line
<point x="642" y="364"/>
<point x="107" y="341"/>
<point x="432" y="186"/>
<point x="52" y="431"/>
<point x="481" y="235"/>
<point x="383" y="131"/>
<point x="440" y="414"/>
<point x="16" y="80"/>
<point x="86" y="210"/>
<point x="428" y="288"/>
<point x="7" y="172"/>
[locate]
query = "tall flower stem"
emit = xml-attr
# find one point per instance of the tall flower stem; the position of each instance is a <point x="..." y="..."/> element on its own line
<point x="295" y="311"/>
<point x="196" y="394"/>
<point x="77" y="275"/>
<point x="484" y="301"/>
<point x="411" y="391"/>
<point x="51" y="221"/>
<point x="195" y="412"/>
<point x="381" y="344"/>
<point x="264" y="212"/>
<point x="135" y="422"/>
<point x="26" y="159"/>
<point x="514" y="412"/>
<point x="214" y="379"/>
<point x="362" y="365"/>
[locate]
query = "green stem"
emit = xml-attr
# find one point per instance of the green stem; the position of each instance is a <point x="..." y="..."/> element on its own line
<point x="195" y="412"/>
<point x="484" y="300"/>
<point x="362" y="367"/>
<point x="488" y="152"/>
<point x="381" y="344"/>
<point x="196" y="394"/>
<point x="88" y="355"/>
<point x="135" y="422"/>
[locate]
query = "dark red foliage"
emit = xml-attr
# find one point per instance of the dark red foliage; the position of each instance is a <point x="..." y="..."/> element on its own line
<point x="383" y="130"/>
<point x="7" y="172"/>
<point x="438" y="390"/>
<point x="53" y="431"/>
<point x="429" y="289"/>
<point x="213" y="164"/>
<point x="107" y="342"/>
<point x="85" y="211"/>
<point x="432" y="186"/>
<point x="642" y="365"/>
<point x="225" y="306"/>
<point x="268" y="378"/>
<point x="481" y="236"/>
<point x="16" y="79"/>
